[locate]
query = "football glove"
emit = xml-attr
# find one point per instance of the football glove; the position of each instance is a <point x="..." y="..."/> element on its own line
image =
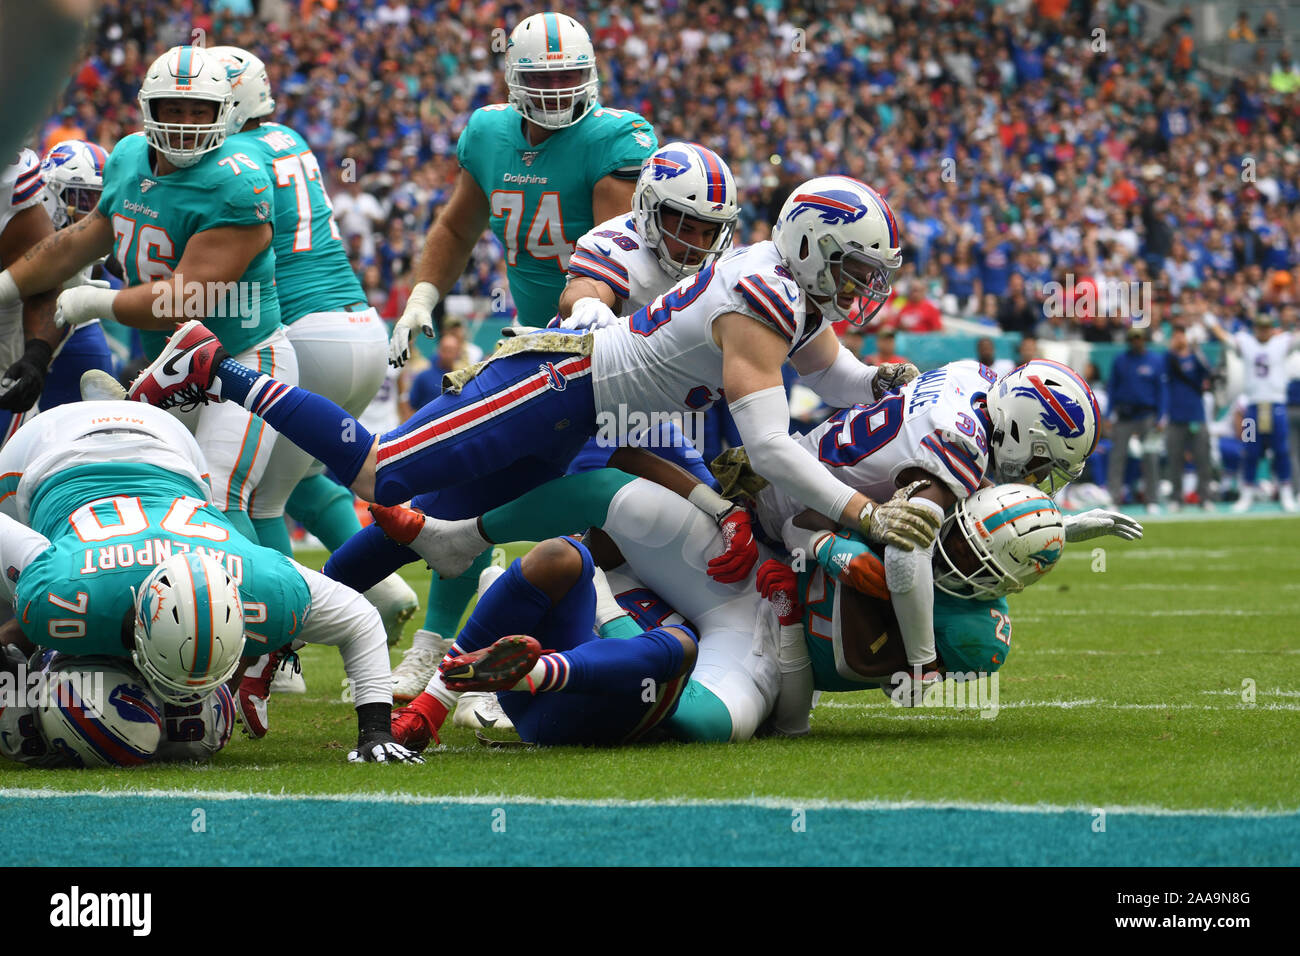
<point x="23" y="381"/>
<point x="418" y="314"/>
<point x="908" y="688"/>
<point x="1098" y="522"/>
<point x="899" y="522"/>
<point x="378" y="746"/>
<point x="740" y="550"/>
<point x="892" y="375"/>
<point x="589" y="313"/>
<point x="82" y="303"/>
<point x="779" y="584"/>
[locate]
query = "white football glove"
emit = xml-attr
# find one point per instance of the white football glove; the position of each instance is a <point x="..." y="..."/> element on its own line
<point x="81" y="304"/>
<point x="1098" y="522"/>
<point x="418" y="314"/>
<point x="382" y="748"/>
<point x="589" y="313"/>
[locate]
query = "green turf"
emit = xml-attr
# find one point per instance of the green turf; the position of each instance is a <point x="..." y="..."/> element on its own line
<point x="1123" y="687"/>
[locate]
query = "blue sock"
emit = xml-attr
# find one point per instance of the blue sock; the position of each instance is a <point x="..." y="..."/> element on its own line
<point x="614" y="667"/>
<point x="312" y="422"/>
<point x="367" y="558"/>
<point x="513" y="605"/>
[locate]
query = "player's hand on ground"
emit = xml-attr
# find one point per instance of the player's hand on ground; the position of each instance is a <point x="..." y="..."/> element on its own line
<point x="22" y="382"/>
<point x="740" y="550"/>
<point x="892" y="375"/>
<point x="1099" y="522"/>
<point x="779" y="584"/>
<point x="908" y="688"/>
<point x="589" y="313"/>
<point x="380" y="747"/>
<point x="418" y="314"/>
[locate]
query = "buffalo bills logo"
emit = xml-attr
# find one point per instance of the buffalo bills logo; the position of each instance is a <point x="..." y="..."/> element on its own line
<point x="669" y="164"/>
<point x="131" y="704"/>
<point x="555" y="378"/>
<point x="1061" y="414"/>
<point x="834" y="206"/>
<point x="60" y="155"/>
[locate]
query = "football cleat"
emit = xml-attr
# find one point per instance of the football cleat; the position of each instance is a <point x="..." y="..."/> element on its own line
<point x="417" y="667"/>
<point x="413" y="730"/>
<point x="449" y="547"/>
<point x="98" y="386"/>
<point x="184" y="373"/>
<point x="481" y="710"/>
<point x="288" y="677"/>
<point x="255" y="688"/>
<point x="1245" y="501"/>
<point x="396" y="603"/>
<point x="498" y="667"/>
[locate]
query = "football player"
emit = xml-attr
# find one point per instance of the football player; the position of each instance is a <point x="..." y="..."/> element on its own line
<point x="187" y="216"/>
<point x="539" y="171"/>
<point x="112" y="546"/>
<point x="1264" y="356"/>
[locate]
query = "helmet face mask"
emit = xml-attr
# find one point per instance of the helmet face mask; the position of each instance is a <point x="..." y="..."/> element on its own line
<point x="551" y="71"/>
<point x="188" y="630"/>
<point x="685" y="207"/>
<point x="180" y="78"/>
<point x="997" y="542"/>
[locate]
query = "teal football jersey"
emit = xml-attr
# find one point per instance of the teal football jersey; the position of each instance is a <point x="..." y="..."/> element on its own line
<point x="312" y="271"/>
<point x="153" y="218"/>
<point x="540" y="196"/>
<point x="76" y="595"/>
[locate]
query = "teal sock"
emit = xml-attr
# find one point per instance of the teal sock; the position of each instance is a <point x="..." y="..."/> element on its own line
<point x="448" y="599"/>
<point x="324" y="508"/>
<point x="559" y="507"/>
<point x="243" y="524"/>
<point x="621" y="628"/>
<point x="273" y="533"/>
<point x="701" y="716"/>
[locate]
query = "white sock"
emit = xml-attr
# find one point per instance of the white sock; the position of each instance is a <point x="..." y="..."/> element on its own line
<point x="438" y="689"/>
<point x="427" y="640"/>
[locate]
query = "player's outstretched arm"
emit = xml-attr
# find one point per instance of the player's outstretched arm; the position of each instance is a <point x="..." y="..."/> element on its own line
<point x="910" y="574"/>
<point x="214" y="260"/>
<point x="444" y="257"/>
<point x="342" y="617"/>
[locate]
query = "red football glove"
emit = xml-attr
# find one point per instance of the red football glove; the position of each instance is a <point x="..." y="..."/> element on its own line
<point x="780" y="586"/>
<point x="740" y="552"/>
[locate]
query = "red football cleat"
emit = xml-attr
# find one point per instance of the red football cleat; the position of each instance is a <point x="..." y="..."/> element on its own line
<point x="401" y="524"/>
<point x="412" y="728"/>
<point x="498" y="667"/>
<point x="184" y="372"/>
<point x="255" y="688"/>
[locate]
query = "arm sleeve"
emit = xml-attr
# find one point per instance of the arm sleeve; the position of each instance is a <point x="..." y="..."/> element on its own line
<point x="910" y="577"/>
<point x="763" y="419"/>
<point x="343" y="618"/>
<point x="843" y="383"/>
<point x="794" y="700"/>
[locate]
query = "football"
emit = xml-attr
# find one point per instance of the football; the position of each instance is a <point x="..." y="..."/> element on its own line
<point x="100" y="714"/>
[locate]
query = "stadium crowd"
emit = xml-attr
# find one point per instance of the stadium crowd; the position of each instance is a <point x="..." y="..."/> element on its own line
<point x="1020" y="141"/>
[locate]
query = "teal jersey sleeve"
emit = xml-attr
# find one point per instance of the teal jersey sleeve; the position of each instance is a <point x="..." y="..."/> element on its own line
<point x="539" y="196"/>
<point x="154" y="217"/>
<point x="971" y="635"/>
<point x="77" y="594"/>
<point x="312" y="270"/>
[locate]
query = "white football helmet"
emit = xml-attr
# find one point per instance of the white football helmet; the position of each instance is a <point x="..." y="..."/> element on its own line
<point x="191" y="73"/>
<point x="99" y="713"/>
<point x="839" y="239"/>
<point x="250" y="87"/>
<point x="548" y="43"/>
<point x="189" y="627"/>
<point x="691" y="180"/>
<point x="1014" y="535"/>
<point x="74" y="179"/>
<point x="1044" y="419"/>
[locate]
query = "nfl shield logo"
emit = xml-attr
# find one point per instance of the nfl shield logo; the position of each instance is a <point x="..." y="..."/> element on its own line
<point x="528" y="155"/>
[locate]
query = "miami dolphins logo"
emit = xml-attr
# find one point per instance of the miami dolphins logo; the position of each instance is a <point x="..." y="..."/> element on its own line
<point x="669" y="164"/>
<point x="1061" y="414"/>
<point x="1045" y="559"/>
<point x="834" y="206"/>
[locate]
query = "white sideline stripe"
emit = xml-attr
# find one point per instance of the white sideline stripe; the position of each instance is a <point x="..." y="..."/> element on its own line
<point x="762" y="803"/>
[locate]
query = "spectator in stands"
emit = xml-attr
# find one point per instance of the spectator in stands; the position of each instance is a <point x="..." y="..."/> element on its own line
<point x="1027" y="350"/>
<point x="986" y="354"/>
<point x="886" y="350"/>
<point x="450" y="356"/>
<point x="1137" y="400"/>
<point x="1188" y="378"/>
<point x="1016" y="312"/>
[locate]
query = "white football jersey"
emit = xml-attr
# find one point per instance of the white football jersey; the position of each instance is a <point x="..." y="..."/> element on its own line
<point x="616" y="254"/>
<point x="937" y="423"/>
<point x="664" y="358"/>
<point x="21" y="186"/>
<point x="1265" y="375"/>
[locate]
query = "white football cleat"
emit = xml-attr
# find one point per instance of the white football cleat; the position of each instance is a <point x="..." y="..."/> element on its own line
<point x="396" y="603"/>
<point x="481" y="710"/>
<point x="288" y="680"/>
<point x="487" y="576"/>
<point x="1245" y="501"/>
<point x="418" y="665"/>
<point x="1287" y="498"/>
<point x="98" y="386"/>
